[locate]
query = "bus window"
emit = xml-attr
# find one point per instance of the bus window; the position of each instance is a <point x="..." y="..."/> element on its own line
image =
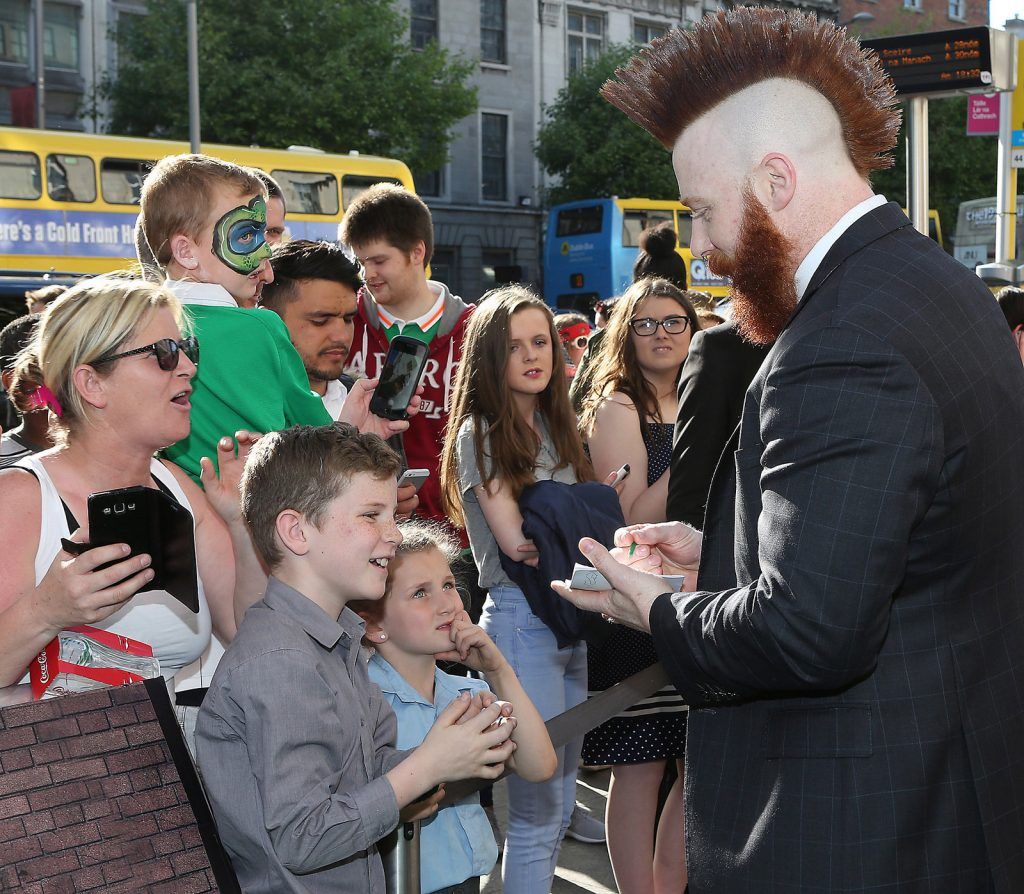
<point x="19" y="175"/>
<point x="685" y="229"/>
<point x="635" y="222"/>
<point x="306" y="192"/>
<point x="70" y="178"/>
<point x="580" y="221"/>
<point x="354" y="185"/>
<point x="121" y="179"/>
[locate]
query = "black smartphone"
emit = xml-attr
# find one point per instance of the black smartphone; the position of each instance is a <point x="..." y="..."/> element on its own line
<point x="399" y="377"/>
<point x="152" y="522"/>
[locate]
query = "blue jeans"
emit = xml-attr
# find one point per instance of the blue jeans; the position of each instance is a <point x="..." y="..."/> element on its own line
<point x="556" y="680"/>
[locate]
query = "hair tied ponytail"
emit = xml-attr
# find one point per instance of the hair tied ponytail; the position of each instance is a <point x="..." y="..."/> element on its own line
<point x="43" y="398"/>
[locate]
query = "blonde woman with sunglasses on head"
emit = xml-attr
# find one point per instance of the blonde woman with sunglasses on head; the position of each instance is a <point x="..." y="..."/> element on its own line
<point x="109" y="362"/>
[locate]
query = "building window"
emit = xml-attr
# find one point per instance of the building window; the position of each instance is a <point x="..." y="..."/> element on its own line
<point x="444" y="267"/>
<point x="958" y="9"/>
<point x="60" y="36"/>
<point x="430" y="183"/>
<point x="584" y="38"/>
<point x="423" y="23"/>
<point x="492" y="31"/>
<point x="499" y="268"/>
<point x="494" y="157"/>
<point x="912" y="4"/>
<point x="645" y="32"/>
<point x="14" y="32"/>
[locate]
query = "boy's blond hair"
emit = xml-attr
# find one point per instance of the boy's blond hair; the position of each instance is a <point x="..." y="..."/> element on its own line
<point x="305" y="468"/>
<point x="176" y="197"/>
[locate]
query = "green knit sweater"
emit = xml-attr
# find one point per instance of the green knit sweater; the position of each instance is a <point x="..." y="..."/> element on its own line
<point x="250" y="377"/>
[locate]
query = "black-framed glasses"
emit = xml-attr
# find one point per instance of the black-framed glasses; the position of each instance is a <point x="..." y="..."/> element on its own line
<point x="648" y="325"/>
<point x="167" y="352"/>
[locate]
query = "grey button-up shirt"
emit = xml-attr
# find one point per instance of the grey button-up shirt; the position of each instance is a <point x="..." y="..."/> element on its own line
<point x="293" y="741"/>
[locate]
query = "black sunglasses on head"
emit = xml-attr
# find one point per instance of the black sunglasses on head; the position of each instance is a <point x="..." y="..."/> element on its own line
<point x="167" y="351"/>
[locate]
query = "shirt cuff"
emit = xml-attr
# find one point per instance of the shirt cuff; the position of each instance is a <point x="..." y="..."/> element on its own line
<point x="378" y="808"/>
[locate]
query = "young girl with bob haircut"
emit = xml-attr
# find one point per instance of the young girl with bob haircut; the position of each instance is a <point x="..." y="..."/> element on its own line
<point x="512" y="424"/>
<point x="628" y="417"/>
<point x="420" y="620"/>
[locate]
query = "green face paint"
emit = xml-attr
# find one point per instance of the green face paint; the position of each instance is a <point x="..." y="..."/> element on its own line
<point x="239" y="237"/>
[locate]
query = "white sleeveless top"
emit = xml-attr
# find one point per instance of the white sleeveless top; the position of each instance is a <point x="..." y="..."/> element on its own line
<point x="155" y="617"/>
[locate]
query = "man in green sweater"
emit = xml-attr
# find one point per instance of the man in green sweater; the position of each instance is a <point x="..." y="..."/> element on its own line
<point x="205" y="222"/>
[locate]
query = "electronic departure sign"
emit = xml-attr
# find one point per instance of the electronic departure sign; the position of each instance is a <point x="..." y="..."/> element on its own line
<point x="960" y="60"/>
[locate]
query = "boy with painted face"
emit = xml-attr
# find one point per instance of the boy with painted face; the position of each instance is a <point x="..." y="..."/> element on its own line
<point x="205" y="222"/>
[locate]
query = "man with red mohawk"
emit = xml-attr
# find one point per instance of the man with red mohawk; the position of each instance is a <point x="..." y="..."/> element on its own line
<point x="852" y="646"/>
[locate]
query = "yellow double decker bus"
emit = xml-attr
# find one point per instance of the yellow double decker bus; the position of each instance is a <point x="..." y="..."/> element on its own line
<point x="68" y="201"/>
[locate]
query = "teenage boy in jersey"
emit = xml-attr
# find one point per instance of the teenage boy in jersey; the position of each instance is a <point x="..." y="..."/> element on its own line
<point x="391" y="234"/>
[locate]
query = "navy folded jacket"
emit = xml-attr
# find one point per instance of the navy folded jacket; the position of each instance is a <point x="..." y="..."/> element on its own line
<point x="555" y="517"/>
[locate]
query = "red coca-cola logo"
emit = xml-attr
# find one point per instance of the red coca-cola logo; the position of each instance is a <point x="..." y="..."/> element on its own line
<point x="44" y="668"/>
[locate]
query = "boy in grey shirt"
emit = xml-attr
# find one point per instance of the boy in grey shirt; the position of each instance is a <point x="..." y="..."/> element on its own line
<point x="295" y="743"/>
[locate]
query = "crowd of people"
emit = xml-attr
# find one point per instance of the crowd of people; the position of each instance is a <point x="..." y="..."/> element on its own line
<point x="829" y="464"/>
<point x="177" y="379"/>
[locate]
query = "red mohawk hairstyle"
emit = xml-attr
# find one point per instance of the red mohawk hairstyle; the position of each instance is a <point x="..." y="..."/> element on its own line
<point x="681" y="76"/>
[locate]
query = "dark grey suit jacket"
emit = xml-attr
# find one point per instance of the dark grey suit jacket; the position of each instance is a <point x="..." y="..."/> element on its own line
<point x="712" y="385"/>
<point x="856" y="657"/>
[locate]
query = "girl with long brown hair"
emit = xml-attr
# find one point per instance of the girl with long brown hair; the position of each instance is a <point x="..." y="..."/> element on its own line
<point x="511" y="424"/>
<point x="628" y="417"/>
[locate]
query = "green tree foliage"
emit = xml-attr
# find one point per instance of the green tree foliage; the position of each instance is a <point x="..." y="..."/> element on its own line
<point x="959" y="167"/>
<point x="333" y="74"/>
<point x="593" y="148"/>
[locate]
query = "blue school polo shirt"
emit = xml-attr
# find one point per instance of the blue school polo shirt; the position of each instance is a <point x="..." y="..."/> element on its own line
<point x="456" y="843"/>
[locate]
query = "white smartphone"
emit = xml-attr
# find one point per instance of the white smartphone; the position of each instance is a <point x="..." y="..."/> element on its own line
<point x="620" y="475"/>
<point x="414" y="476"/>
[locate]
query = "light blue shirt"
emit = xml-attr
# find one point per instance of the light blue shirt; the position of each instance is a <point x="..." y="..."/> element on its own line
<point x="456" y="843"/>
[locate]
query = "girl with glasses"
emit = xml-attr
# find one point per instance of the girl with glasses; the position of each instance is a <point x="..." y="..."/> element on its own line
<point x="628" y="417"/>
<point x="109" y="363"/>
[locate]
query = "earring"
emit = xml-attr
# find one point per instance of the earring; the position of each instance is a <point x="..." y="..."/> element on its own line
<point x="383" y="636"/>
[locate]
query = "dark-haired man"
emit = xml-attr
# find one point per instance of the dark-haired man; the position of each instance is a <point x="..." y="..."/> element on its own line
<point x="1011" y="303"/>
<point x="276" y="209"/>
<point x="314" y="292"/>
<point x="852" y="650"/>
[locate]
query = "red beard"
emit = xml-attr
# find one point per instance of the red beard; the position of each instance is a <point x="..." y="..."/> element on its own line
<point x="762" y="271"/>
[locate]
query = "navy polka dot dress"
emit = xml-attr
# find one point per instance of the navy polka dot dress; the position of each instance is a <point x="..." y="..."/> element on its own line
<point x="655" y="728"/>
